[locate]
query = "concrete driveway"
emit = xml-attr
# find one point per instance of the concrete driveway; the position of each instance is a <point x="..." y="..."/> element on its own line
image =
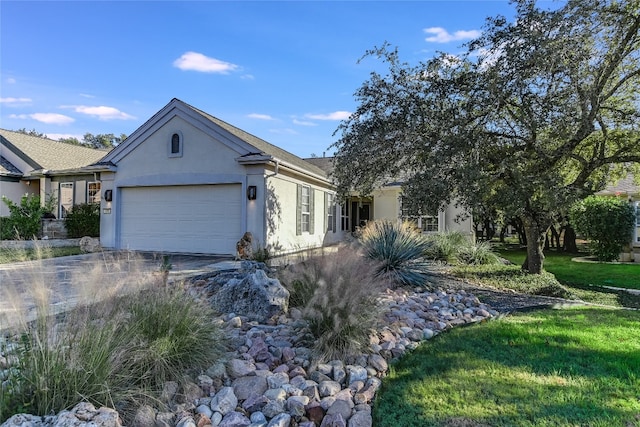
<point x="63" y="282"/>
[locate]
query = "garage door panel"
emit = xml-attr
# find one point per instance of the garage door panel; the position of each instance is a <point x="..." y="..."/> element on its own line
<point x="201" y="218"/>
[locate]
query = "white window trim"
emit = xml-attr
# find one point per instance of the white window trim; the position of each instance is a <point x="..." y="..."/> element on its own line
<point x="99" y="193"/>
<point x="305" y="209"/>
<point x="60" y="211"/>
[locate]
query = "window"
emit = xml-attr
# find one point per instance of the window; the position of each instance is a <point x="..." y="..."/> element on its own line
<point x="344" y="217"/>
<point x="66" y="198"/>
<point x="637" y="232"/>
<point x="93" y="192"/>
<point x="330" y="212"/>
<point x="304" y="210"/>
<point x="426" y="223"/>
<point x="175" y="145"/>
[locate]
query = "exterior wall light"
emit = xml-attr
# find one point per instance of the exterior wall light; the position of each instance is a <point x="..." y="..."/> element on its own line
<point x="252" y="192"/>
<point x="108" y="195"/>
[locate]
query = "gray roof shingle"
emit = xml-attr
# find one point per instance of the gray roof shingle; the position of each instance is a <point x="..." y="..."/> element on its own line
<point x="261" y="145"/>
<point x="44" y="153"/>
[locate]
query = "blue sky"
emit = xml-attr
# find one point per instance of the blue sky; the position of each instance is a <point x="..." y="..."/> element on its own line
<point x="283" y="71"/>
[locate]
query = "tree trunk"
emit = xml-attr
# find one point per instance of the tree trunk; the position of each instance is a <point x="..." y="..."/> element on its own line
<point x="570" y="239"/>
<point x="535" y="234"/>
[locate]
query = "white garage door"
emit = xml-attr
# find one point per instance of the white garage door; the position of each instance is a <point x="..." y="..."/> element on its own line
<point x="193" y="218"/>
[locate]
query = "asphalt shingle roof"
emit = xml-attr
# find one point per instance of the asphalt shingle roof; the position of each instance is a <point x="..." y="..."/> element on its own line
<point x="45" y="153"/>
<point x="625" y="185"/>
<point x="261" y="145"/>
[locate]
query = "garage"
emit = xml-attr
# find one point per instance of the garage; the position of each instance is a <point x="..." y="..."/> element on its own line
<point x="181" y="218"/>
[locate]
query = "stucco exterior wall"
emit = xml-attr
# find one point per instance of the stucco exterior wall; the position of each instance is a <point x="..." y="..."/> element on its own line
<point x="14" y="192"/>
<point x="281" y="218"/>
<point x="386" y="203"/>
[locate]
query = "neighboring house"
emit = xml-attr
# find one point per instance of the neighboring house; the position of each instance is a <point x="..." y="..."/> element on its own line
<point x="186" y="181"/>
<point x="41" y="166"/>
<point x="628" y="190"/>
<point x="386" y="203"/>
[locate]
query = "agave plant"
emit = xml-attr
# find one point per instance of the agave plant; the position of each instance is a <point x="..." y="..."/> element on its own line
<point x="399" y="249"/>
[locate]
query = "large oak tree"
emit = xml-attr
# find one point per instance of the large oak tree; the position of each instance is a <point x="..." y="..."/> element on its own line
<point x="538" y="113"/>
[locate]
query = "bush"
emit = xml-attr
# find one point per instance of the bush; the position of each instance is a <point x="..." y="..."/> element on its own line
<point x="446" y="246"/>
<point x="514" y="278"/>
<point x="116" y="353"/>
<point x="479" y="253"/>
<point x="337" y="294"/>
<point x="399" y="249"/>
<point x="83" y="220"/>
<point x="24" y="220"/>
<point x="607" y="222"/>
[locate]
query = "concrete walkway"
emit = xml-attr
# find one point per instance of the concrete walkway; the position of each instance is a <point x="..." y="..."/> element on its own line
<point x="63" y="282"/>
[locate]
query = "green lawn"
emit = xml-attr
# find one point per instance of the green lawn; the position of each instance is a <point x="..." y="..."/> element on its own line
<point x="574" y="367"/>
<point x="17" y="255"/>
<point x="580" y="273"/>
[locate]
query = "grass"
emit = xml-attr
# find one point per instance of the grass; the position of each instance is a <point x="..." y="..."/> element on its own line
<point x="18" y="255"/>
<point x="574" y="367"/>
<point x="123" y="338"/>
<point x="582" y="273"/>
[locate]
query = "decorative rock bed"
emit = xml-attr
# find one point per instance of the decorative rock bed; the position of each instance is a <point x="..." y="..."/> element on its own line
<point x="271" y="379"/>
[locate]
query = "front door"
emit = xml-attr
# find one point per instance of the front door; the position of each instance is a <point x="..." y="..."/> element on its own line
<point x="360" y="214"/>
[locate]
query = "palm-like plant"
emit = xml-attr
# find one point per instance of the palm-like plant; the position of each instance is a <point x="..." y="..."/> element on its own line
<point x="399" y="249"/>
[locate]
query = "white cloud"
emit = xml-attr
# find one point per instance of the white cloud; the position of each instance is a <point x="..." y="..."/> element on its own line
<point x="101" y="112"/>
<point x="86" y="95"/>
<point x="247" y="77"/>
<point x="11" y="81"/>
<point x="14" y="101"/>
<point x="48" y="118"/>
<point x="440" y="35"/>
<point x="195" y="61"/>
<point x="336" y="115"/>
<point x="260" y="116"/>
<point x="303" y="123"/>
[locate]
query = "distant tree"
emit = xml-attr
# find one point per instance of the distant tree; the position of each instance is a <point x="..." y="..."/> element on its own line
<point x="538" y="113"/>
<point x="70" y="140"/>
<point x="607" y="222"/>
<point x="107" y="140"/>
<point x="32" y="132"/>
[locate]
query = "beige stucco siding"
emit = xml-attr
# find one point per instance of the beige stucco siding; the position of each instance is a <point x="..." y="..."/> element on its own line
<point x="281" y="217"/>
<point x="201" y="154"/>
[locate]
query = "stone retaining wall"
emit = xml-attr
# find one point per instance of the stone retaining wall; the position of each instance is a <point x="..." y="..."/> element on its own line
<point x="30" y="244"/>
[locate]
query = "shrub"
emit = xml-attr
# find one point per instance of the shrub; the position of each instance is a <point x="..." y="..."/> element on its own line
<point x="116" y="350"/>
<point x="399" y="250"/>
<point x="83" y="220"/>
<point x="479" y="253"/>
<point x="607" y="222"/>
<point x="337" y="293"/>
<point x="514" y="278"/>
<point x="445" y="246"/>
<point x="24" y="220"/>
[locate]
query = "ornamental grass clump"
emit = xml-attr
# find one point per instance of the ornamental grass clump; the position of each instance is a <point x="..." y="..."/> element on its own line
<point x="399" y="250"/>
<point x="479" y="253"/>
<point x="445" y="246"/>
<point x="338" y="295"/>
<point x="123" y="338"/>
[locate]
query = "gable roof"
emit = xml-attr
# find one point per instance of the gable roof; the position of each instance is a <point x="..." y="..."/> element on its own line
<point x="249" y="147"/>
<point x="324" y="163"/>
<point x="47" y="154"/>
<point x="8" y="169"/>
<point x="262" y="146"/>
